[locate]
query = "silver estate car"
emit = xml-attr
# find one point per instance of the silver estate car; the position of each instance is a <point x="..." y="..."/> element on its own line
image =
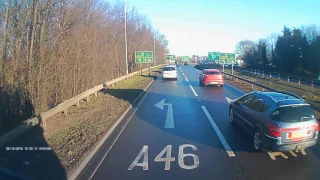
<point x="277" y="121"/>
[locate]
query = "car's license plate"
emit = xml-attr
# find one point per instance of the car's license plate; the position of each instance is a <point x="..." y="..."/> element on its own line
<point x="213" y="82"/>
<point x="298" y="134"/>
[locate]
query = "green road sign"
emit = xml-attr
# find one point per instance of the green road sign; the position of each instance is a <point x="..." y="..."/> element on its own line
<point x="227" y="58"/>
<point x="185" y="58"/>
<point x="170" y="57"/>
<point x="213" y="56"/>
<point x="144" y="57"/>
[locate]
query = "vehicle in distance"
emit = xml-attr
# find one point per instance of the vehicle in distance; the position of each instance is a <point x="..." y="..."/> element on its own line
<point x="277" y="121"/>
<point x="211" y="77"/>
<point x="185" y="64"/>
<point x="169" y="72"/>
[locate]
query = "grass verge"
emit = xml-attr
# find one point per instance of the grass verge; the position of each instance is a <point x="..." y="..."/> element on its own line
<point x="74" y="135"/>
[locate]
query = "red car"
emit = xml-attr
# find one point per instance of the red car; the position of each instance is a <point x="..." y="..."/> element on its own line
<point x="211" y="77"/>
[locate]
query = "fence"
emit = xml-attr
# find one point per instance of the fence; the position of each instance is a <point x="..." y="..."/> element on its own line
<point x="63" y="107"/>
<point x="284" y="77"/>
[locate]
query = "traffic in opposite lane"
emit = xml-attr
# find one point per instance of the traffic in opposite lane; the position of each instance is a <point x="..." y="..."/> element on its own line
<point x="181" y="130"/>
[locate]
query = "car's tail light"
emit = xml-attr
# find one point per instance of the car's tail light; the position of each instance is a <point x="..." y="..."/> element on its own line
<point x="316" y="126"/>
<point x="274" y="130"/>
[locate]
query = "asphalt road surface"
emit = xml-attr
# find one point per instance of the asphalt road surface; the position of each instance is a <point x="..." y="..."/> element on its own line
<point x="274" y="76"/>
<point x="180" y="130"/>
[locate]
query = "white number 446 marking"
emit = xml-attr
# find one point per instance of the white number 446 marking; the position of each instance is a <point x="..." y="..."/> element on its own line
<point x="167" y="159"/>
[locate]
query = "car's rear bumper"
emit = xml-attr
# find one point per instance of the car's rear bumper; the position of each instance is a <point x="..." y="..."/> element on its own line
<point x="274" y="144"/>
<point x="214" y="82"/>
<point x="169" y="76"/>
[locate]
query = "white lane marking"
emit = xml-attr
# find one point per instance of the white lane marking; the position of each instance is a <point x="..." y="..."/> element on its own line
<point x="194" y="92"/>
<point x="187" y="78"/>
<point x="169" y="119"/>
<point x="144" y="164"/>
<point x="228" y="100"/>
<point x="134" y="112"/>
<point x="215" y="127"/>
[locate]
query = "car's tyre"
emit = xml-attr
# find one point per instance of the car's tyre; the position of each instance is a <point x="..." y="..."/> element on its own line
<point x="221" y="85"/>
<point x="231" y="116"/>
<point x="257" y="141"/>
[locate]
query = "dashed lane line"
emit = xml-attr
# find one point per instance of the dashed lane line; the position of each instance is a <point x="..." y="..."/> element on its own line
<point x="215" y="127"/>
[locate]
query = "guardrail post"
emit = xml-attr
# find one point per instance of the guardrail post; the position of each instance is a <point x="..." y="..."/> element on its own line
<point x="78" y="104"/>
<point x="88" y="99"/>
<point x="262" y="89"/>
<point x="255" y="72"/>
<point x="252" y="86"/>
<point x="288" y="79"/>
<point x="237" y="80"/>
<point x="279" y="76"/>
<point x="270" y="76"/>
<point x="65" y="111"/>
<point x="299" y="81"/>
<point x="311" y="84"/>
<point x="96" y="94"/>
<point x="262" y="73"/>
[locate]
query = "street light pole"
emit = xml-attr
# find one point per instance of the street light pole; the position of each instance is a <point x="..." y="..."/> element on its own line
<point x="125" y="34"/>
<point x="154" y="50"/>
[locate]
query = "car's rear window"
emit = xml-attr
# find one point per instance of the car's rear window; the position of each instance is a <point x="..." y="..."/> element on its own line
<point x="169" y="68"/>
<point x="213" y="72"/>
<point x="294" y="113"/>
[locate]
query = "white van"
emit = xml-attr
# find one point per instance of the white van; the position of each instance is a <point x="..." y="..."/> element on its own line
<point x="169" y="72"/>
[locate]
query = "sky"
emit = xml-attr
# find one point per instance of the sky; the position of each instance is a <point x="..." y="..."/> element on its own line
<point x="199" y="26"/>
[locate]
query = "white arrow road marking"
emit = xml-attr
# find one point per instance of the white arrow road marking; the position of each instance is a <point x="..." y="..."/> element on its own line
<point x="215" y="127"/>
<point x="228" y="99"/>
<point x="169" y="118"/>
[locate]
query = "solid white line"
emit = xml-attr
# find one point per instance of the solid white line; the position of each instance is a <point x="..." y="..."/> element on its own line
<point x="140" y="102"/>
<point x="194" y="92"/>
<point x="187" y="78"/>
<point x="215" y="127"/>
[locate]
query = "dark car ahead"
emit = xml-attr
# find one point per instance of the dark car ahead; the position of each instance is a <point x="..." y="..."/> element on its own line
<point x="185" y="63"/>
<point x="277" y="121"/>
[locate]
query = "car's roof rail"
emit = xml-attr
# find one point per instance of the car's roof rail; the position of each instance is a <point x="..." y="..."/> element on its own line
<point x="291" y="94"/>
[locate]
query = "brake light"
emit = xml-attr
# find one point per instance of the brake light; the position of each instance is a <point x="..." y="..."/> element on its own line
<point x="316" y="126"/>
<point x="274" y="130"/>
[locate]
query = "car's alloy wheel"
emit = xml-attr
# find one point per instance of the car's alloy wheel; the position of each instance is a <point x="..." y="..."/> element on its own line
<point x="257" y="141"/>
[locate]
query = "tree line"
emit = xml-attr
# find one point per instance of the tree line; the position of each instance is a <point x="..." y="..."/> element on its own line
<point x="52" y="50"/>
<point x="295" y="50"/>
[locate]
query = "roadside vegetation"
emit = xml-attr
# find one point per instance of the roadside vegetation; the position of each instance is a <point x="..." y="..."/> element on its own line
<point x="52" y="50"/>
<point x="294" y="51"/>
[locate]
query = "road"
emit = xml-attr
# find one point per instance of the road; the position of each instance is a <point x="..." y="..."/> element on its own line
<point x="305" y="83"/>
<point x="180" y="130"/>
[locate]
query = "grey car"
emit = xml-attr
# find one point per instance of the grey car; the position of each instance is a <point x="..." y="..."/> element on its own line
<point x="277" y="121"/>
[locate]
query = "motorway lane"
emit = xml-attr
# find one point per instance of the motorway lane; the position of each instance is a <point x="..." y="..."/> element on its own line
<point x="147" y="128"/>
<point x="274" y="76"/>
<point x="254" y="165"/>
